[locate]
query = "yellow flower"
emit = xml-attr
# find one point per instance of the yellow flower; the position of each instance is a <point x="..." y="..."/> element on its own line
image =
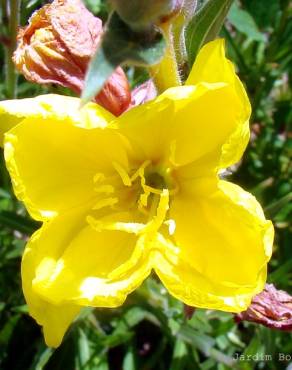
<point x="119" y="197"/>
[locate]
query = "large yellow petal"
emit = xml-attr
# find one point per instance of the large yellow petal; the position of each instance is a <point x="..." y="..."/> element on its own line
<point x="52" y="106"/>
<point x="212" y="66"/>
<point x="48" y="244"/>
<point x="6" y="123"/>
<point x="94" y="266"/>
<point x="185" y="124"/>
<point x="52" y="163"/>
<point x="223" y="245"/>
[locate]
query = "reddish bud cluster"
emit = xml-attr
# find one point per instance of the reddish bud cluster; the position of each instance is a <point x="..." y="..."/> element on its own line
<point x="56" y="47"/>
<point x="271" y="308"/>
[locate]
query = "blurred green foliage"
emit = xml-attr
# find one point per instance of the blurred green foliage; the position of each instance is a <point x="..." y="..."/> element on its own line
<point x="150" y="330"/>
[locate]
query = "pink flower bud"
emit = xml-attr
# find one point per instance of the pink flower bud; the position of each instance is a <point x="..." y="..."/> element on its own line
<point x="271" y="308"/>
<point x="115" y="95"/>
<point x="143" y="93"/>
<point x="56" y="47"/>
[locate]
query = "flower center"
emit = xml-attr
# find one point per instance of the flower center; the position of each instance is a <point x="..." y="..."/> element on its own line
<point x="149" y="182"/>
<point x="148" y="190"/>
<point x="155" y="180"/>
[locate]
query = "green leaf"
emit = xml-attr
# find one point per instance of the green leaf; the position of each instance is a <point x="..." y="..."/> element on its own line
<point x="280" y="276"/>
<point x="4" y="194"/>
<point x="254" y="347"/>
<point x="272" y="209"/>
<point x="129" y="359"/>
<point x="7" y="330"/>
<point x="197" y="339"/>
<point x="180" y="355"/>
<point x="16" y="222"/>
<point x="43" y="358"/>
<point x="121" y="45"/>
<point x="265" y="13"/>
<point x="103" y="365"/>
<point x="94" y="6"/>
<point x="244" y="23"/>
<point x="204" y="344"/>
<point x="205" y="25"/>
<point x="83" y="353"/>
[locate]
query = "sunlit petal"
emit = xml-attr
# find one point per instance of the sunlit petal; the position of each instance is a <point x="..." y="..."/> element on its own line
<point x="224" y="244"/>
<point x="51" y="106"/>
<point x="52" y="163"/>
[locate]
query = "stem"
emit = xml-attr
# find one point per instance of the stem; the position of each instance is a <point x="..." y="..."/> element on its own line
<point x="4" y="11"/>
<point x="178" y="29"/>
<point x="179" y="38"/>
<point x="11" y="76"/>
<point x="179" y="25"/>
<point x="165" y="74"/>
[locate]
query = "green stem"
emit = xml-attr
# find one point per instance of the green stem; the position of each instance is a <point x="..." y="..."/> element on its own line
<point x="179" y="39"/>
<point x="11" y="76"/>
<point x="4" y="11"/>
<point x="165" y="74"/>
<point x="178" y="29"/>
<point x="179" y="25"/>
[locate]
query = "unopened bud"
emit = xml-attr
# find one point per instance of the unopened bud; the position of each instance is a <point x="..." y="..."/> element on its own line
<point x="189" y="311"/>
<point x="271" y="308"/>
<point x="143" y="93"/>
<point x="141" y="14"/>
<point x="56" y="47"/>
<point x="115" y="95"/>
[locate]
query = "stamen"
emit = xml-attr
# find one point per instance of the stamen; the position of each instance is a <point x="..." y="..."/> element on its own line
<point x="123" y="174"/>
<point x="107" y="189"/>
<point x="140" y="170"/>
<point x="132" y="262"/>
<point x="168" y="246"/>
<point x="107" y="202"/>
<point x="135" y="227"/>
<point x="98" y="177"/>
<point x="129" y="227"/>
<point x="152" y="190"/>
<point x="171" y="226"/>
<point x="162" y="209"/>
<point x="143" y="200"/>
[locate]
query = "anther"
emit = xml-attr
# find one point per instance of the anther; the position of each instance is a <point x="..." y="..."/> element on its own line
<point x="123" y="174"/>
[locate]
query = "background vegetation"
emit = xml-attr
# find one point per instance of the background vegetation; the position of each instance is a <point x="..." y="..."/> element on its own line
<point x="150" y="331"/>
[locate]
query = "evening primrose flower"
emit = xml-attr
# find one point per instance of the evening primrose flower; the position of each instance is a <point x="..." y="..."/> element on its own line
<point x="120" y="197"/>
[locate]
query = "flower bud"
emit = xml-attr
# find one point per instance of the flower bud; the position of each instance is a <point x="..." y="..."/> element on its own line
<point x="189" y="311"/>
<point x="115" y="95"/>
<point x="141" y="14"/>
<point x="143" y="93"/>
<point x="56" y="47"/>
<point x="271" y="308"/>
